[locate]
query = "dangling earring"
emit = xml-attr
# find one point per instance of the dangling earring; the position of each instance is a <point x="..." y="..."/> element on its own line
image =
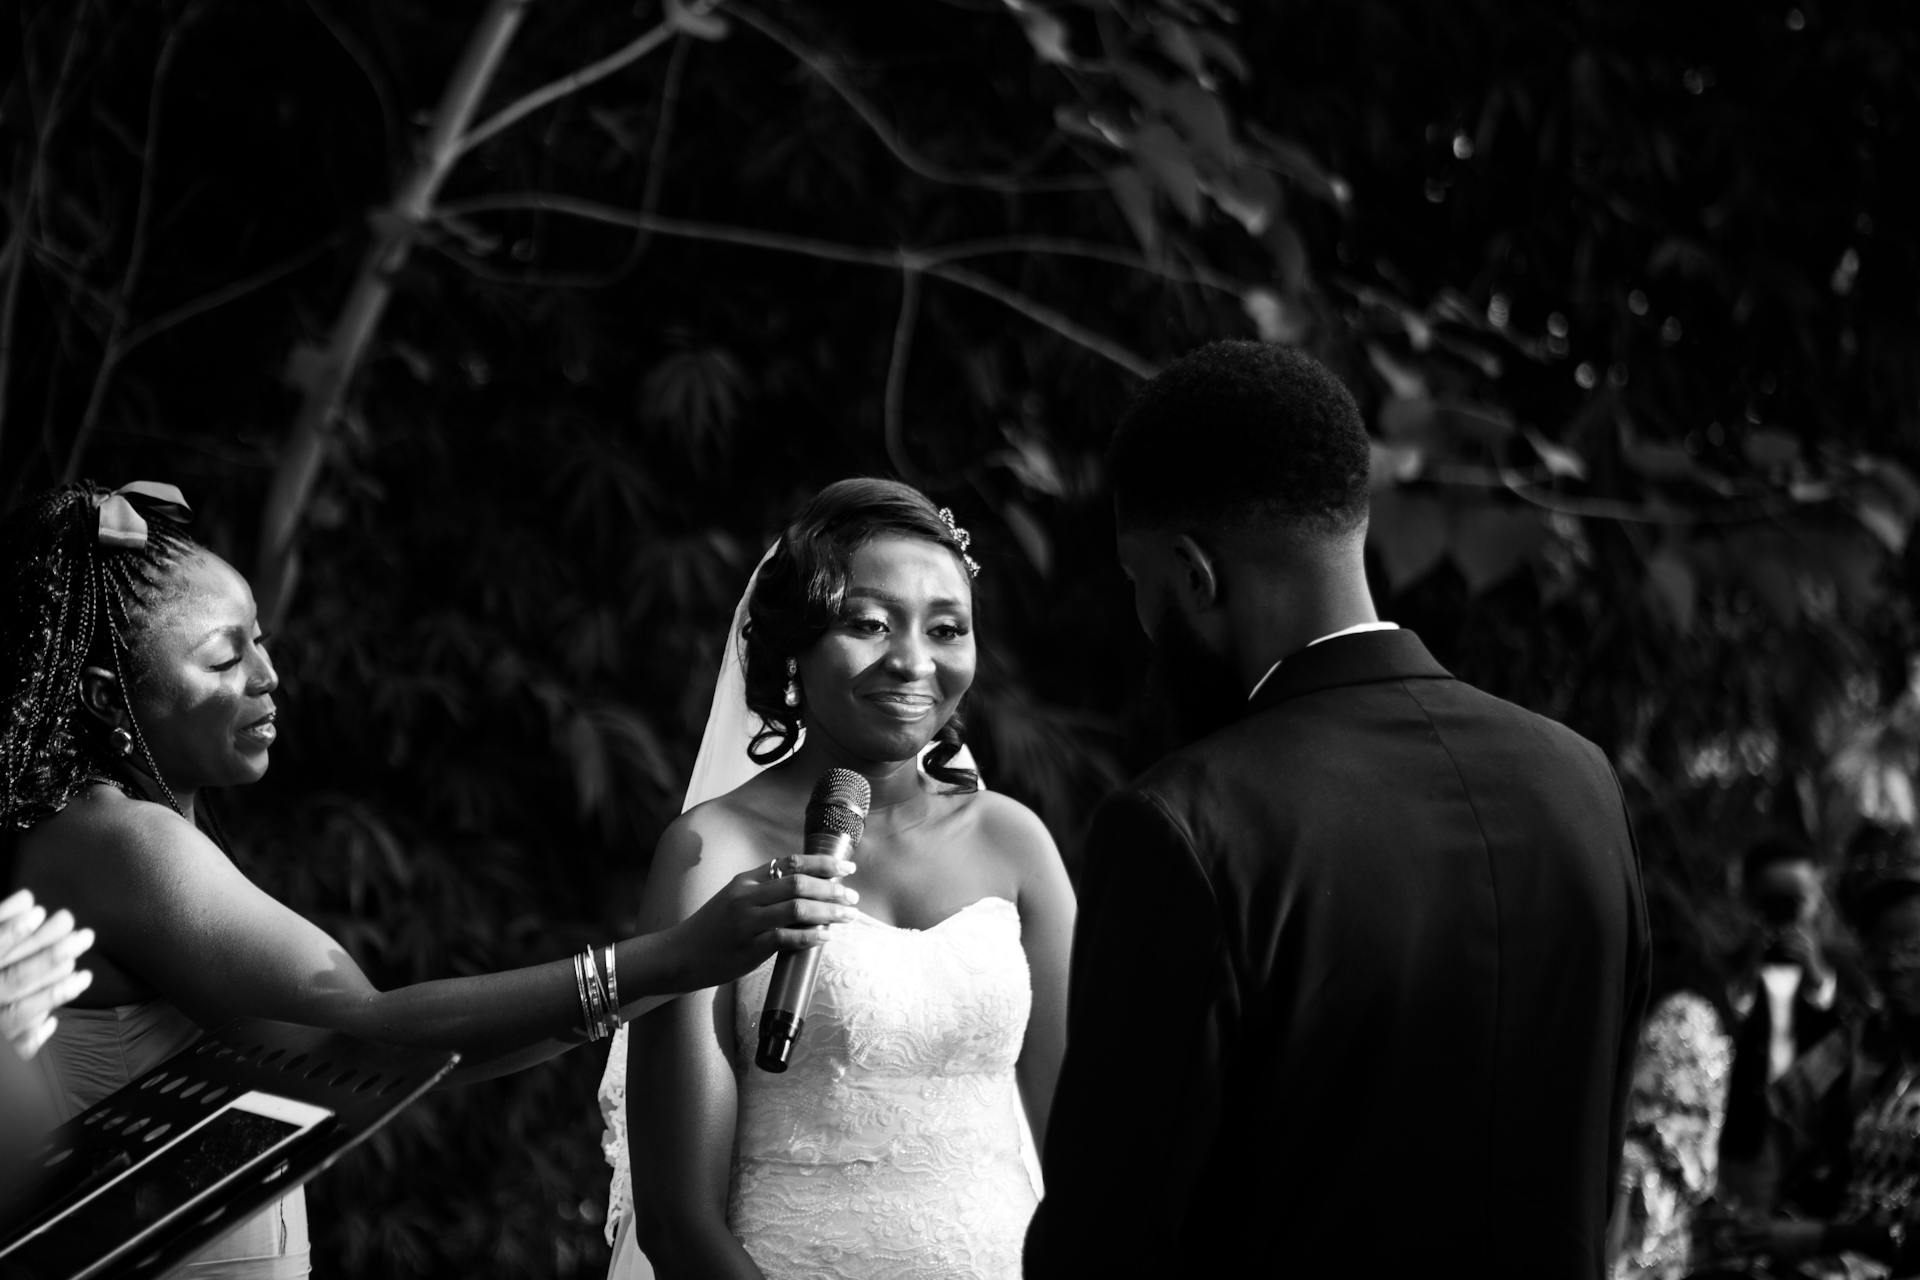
<point x="122" y="742"/>
<point x="793" y="683"/>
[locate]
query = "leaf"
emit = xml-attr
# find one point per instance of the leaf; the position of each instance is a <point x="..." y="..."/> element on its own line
<point x="697" y="392"/>
<point x="1898" y="483"/>
<point x="1410" y="418"/>
<point x="1031" y="536"/>
<point x="1176" y="41"/>
<point x="1409" y="532"/>
<point x="701" y="24"/>
<point x="1658" y="461"/>
<point x="1147" y="88"/>
<point x="1135" y="198"/>
<point x="1393" y="464"/>
<point x="1680" y="255"/>
<point x="1672" y="585"/>
<point x="1402" y="380"/>
<point x="1250" y="197"/>
<point x="1217" y="48"/>
<point x="1489" y="543"/>
<point x="1289" y="254"/>
<point x="1771" y="578"/>
<point x="1884" y="521"/>
<point x="1080" y="122"/>
<point x="1166" y="158"/>
<point x="1276" y="319"/>
<point x="1033" y="463"/>
<point x="1203" y="119"/>
<point x="1478" y="423"/>
<point x="1046" y="33"/>
<point x="1768" y="448"/>
<point x="1561" y="462"/>
<point x="1296" y="162"/>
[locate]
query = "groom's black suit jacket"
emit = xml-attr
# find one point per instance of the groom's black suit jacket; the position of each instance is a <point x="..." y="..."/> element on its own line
<point x="1356" y="985"/>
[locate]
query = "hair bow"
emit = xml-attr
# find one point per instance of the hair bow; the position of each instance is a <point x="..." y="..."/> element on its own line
<point x="121" y="526"/>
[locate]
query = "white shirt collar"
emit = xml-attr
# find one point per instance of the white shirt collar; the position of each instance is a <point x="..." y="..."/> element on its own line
<point x="1331" y="635"/>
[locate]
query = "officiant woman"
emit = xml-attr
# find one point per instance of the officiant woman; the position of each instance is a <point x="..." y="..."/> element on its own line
<point x="133" y="674"/>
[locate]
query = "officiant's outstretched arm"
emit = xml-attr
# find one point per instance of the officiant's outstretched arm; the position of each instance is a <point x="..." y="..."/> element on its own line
<point x="138" y="676"/>
<point x="1397" y="960"/>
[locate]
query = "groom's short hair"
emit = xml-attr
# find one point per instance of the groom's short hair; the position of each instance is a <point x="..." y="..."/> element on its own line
<point x="1242" y="435"/>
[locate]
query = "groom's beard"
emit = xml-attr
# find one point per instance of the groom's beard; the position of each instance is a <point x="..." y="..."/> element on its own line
<point x="1191" y="692"/>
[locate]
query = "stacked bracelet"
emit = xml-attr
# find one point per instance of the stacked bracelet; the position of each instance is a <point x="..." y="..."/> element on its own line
<point x="599" y="997"/>
<point x="586" y="1005"/>
<point x="613" y="988"/>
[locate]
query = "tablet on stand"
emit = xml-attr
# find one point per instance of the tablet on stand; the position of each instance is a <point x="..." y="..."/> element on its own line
<point x="199" y="1144"/>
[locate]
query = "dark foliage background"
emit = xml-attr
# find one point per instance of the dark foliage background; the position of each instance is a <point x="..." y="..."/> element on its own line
<point x="1628" y="293"/>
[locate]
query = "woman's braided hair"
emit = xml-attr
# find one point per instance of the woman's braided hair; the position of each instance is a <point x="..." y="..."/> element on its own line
<point x="802" y="588"/>
<point x="68" y="602"/>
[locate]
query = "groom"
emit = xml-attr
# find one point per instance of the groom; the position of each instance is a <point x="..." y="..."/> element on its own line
<point x="1358" y="974"/>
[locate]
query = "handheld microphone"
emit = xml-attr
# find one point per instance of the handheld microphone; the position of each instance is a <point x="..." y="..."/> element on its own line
<point x="836" y="819"/>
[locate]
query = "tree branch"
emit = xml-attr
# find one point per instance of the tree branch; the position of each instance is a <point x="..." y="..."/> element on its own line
<point x="230" y="292"/>
<point x="1528" y="487"/>
<point x="351" y="46"/>
<point x="1045" y="316"/>
<point x="931" y="170"/>
<point x="572" y="83"/>
<point x="137" y="249"/>
<point x="25" y="211"/>
<point x="1092" y="251"/>
<point x="649" y="198"/>
<point x="325" y="373"/>
<point x="808" y="246"/>
<point x="893" y="424"/>
<point x="679" y="228"/>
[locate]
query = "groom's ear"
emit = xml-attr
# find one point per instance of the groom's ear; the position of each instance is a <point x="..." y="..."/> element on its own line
<point x="1199" y="574"/>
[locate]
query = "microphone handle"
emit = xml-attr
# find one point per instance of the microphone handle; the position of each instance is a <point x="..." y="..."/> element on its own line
<point x="791" y="989"/>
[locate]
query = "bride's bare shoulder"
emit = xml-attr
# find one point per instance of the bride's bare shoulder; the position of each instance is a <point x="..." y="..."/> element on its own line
<point x="731" y="832"/>
<point x="997" y="822"/>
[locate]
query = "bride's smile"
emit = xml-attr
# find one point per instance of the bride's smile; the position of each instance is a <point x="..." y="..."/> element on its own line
<point x="899" y="656"/>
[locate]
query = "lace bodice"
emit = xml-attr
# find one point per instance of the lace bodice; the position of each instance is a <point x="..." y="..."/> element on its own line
<point x="891" y="1147"/>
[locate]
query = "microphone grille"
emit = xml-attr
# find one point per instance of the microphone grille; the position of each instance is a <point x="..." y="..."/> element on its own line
<point x="839" y="803"/>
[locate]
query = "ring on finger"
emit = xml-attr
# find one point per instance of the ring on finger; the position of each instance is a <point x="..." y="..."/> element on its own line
<point x="774" y="871"/>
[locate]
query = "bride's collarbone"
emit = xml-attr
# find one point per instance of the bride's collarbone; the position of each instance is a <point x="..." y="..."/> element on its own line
<point x="918" y="884"/>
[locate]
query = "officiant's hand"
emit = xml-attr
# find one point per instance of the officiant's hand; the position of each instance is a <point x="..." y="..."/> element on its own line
<point x="757" y="914"/>
<point x="37" y="975"/>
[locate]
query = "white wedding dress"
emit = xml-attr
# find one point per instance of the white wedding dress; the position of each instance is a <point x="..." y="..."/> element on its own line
<point x="894" y="1146"/>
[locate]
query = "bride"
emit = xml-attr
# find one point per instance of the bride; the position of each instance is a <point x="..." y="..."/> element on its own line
<point x="892" y="1145"/>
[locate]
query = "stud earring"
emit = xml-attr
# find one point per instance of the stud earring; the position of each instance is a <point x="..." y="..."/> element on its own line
<point x="122" y="742"/>
<point x="793" y="683"/>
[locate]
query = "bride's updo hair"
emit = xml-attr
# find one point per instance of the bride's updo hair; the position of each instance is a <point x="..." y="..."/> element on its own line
<point x="802" y="589"/>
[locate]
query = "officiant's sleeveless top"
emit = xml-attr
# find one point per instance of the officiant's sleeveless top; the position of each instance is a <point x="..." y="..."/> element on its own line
<point x="890" y="1147"/>
<point x="92" y="1053"/>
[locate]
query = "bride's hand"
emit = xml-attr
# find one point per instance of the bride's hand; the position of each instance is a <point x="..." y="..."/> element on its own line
<point x="756" y="914"/>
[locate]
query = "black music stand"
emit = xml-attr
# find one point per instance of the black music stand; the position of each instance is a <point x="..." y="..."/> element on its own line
<point x="364" y="1084"/>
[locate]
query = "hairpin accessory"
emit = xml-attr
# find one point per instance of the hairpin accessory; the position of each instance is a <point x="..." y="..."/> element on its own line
<point x="793" y="683"/>
<point x="119" y="525"/>
<point x="961" y="539"/>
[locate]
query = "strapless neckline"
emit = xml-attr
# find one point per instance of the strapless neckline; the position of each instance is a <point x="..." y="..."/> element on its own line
<point x="861" y="917"/>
